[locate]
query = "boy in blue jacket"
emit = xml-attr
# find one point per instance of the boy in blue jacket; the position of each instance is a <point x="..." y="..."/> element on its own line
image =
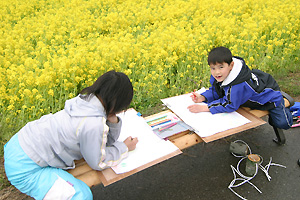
<point x="233" y="85"/>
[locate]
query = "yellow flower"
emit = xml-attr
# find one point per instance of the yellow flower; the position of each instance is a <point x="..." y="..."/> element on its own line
<point x="10" y="107"/>
<point x="251" y="59"/>
<point x="27" y="92"/>
<point x="71" y="95"/>
<point x="38" y="96"/>
<point x="51" y="92"/>
<point x="34" y="91"/>
<point x="7" y="120"/>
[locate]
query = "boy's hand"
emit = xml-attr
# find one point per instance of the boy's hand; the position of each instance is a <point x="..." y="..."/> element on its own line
<point x="197" y="98"/>
<point x="131" y="143"/>
<point x="198" y="108"/>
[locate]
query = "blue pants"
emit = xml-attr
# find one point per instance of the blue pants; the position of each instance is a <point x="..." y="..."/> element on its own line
<point x="281" y="117"/>
<point x="40" y="182"/>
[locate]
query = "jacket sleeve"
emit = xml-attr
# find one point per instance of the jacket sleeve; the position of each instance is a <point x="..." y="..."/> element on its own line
<point x="94" y="145"/>
<point x="210" y="94"/>
<point x="114" y="132"/>
<point x="235" y="96"/>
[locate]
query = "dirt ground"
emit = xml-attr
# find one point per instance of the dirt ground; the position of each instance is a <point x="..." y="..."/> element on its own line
<point x="11" y="193"/>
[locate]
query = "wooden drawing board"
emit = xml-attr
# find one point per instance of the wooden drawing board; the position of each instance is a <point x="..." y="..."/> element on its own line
<point x="108" y="176"/>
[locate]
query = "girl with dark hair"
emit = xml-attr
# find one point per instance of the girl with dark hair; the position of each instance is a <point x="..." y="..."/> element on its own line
<point x="37" y="156"/>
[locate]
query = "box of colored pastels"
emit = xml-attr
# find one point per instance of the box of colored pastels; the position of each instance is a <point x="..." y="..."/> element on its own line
<point x="166" y="124"/>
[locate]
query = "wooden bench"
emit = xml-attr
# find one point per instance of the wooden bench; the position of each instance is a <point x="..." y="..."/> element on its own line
<point x="183" y="140"/>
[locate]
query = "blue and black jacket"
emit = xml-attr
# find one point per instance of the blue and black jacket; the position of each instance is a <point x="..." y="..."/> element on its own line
<point x="243" y="87"/>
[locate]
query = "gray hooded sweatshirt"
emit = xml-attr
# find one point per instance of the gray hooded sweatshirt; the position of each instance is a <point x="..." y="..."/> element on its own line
<point x="78" y="131"/>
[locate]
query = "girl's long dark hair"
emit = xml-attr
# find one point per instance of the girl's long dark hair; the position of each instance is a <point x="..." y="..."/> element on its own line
<point x="114" y="89"/>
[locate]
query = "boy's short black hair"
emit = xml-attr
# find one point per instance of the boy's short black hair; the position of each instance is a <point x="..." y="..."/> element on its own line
<point x="219" y="55"/>
<point x="114" y="89"/>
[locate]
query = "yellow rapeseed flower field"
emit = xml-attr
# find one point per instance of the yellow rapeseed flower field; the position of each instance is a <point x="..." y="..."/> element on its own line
<point x="50" y="50"/>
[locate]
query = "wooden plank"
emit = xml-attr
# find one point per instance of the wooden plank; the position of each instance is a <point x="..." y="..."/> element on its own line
<point x="91" y="178"/>
<point x="259" y="113"/>
<point x="85" y="173"/>
<point x="79" y="162"/>
<point x="186" y="140"/>
<point x="262" y="113"/>
<point x="286" y="102"/>
<point x="80" y="169"/>
<point x="108" y="176"/>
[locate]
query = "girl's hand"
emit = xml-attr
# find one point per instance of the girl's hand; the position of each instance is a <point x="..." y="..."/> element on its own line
<point x="131" y="143"/>
<point x="198" y="108"/>
<point x="112" y="118"/>
<point x="197" y="98"/>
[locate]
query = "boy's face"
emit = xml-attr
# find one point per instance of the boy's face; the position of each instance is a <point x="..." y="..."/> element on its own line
<point x="220" y="70"/>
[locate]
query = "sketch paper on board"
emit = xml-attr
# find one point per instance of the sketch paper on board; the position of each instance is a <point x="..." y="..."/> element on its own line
<point x="204" y="124"/>
<point x="150" y="147"/>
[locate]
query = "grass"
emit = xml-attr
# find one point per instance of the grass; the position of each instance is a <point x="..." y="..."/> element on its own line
<point x="288" y="80"/>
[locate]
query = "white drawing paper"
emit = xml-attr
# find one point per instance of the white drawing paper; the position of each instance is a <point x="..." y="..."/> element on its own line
<point x="204" y="123"/>
<point x="149" y="147"/>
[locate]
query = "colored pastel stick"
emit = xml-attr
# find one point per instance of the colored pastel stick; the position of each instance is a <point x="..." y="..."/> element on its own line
<point x="153" y="120"/>
<point x="194" y="94"/>
<point x="167" y="126"/>
<point x="161" y="122"/>
<point x="158" y="122"/>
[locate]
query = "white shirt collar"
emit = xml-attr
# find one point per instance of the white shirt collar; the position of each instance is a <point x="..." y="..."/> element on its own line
<point x="237" y="67"/>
